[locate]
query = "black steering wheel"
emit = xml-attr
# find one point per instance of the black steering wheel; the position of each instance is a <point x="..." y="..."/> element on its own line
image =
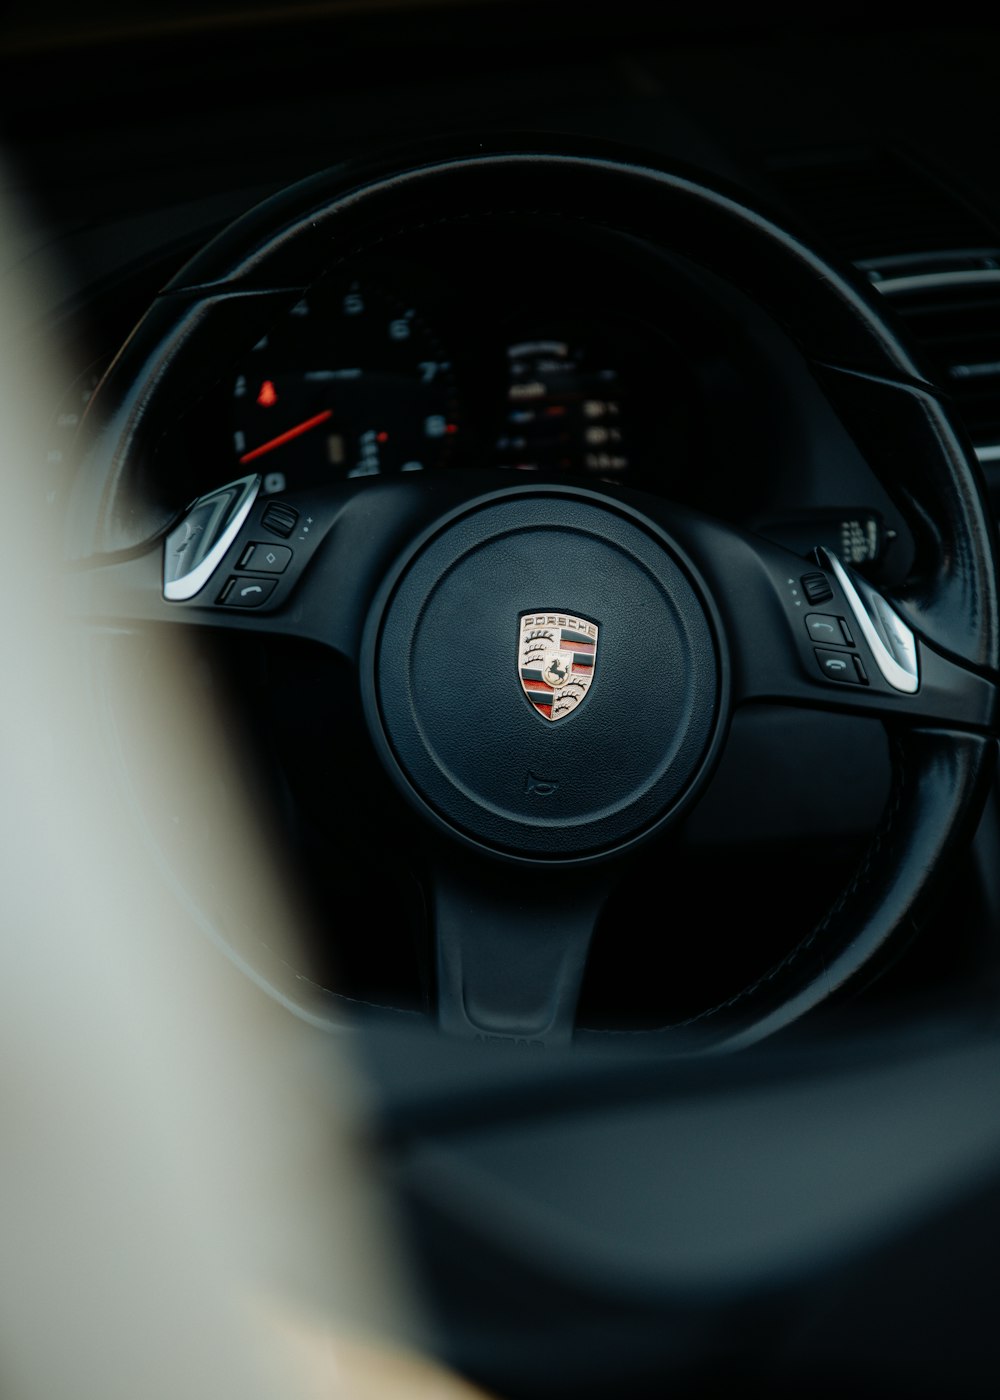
<point x="534" y="767"/>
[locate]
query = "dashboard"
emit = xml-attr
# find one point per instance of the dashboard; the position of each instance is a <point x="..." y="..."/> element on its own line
<point x="383" y="366"/>
<point x="528" y="343"/>
<point x="532" y="344"/>
<point x="437" y="358"/>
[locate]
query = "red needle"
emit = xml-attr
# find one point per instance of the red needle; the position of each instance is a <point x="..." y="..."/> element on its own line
<point x="282" y="438"/>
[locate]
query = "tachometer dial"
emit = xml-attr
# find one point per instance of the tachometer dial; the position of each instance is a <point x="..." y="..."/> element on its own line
<point x="350" y="384"/>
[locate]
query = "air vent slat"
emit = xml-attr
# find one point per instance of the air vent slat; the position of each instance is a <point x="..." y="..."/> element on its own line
<point x="983" y="304"/>
<point x="961" y="345"/>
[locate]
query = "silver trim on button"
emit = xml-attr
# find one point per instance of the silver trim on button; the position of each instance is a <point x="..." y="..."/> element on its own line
<point x="225" y="511"/>
<point x="891" y="642"/>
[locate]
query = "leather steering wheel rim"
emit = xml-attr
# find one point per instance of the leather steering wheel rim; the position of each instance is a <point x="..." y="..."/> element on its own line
<point x="899" y="419"/>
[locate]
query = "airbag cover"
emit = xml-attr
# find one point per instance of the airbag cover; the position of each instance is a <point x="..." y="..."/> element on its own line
<point x="456" y="721"/>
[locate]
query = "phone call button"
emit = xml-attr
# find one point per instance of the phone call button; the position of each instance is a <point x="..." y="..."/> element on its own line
<point x="841" y="666"/>
<point x="247" y="592"/>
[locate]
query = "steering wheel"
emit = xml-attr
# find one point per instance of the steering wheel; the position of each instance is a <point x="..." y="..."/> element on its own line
<point x="611" y="635"/>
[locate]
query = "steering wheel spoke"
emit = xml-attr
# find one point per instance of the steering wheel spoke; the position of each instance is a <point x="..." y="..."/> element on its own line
<point x="511" y="946"/>
<point x="303" y="566"/>
<point x="818" y="635"/>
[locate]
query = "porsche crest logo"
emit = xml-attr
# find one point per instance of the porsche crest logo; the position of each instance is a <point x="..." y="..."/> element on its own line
<point x="555" y="658"/>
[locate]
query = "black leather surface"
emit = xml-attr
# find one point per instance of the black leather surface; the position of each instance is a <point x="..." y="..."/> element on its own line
<point x="446" y="656"/>
<point x="812" y="1217"/>
<point x="939" y="785"/>
<point x="288" y="240"/>
<point x="857" y="355"/>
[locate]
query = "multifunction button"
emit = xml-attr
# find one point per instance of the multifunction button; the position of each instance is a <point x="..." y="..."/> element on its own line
<point x="279" y="519"/>
<point x="825" y="627"/>
<point x="841" y="666"/>
<point x="247" y="592"/>
<point x="817" y="588"/>
<point x="266" y="558"/>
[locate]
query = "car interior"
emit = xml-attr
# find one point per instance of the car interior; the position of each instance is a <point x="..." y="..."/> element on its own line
<point x="566" y="441"/>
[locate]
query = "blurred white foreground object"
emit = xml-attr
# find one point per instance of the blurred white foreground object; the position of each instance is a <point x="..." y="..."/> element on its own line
<point x="181" y="1212"/>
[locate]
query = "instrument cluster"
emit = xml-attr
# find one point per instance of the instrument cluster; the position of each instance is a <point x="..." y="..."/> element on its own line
<point x="542" y="368"/>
